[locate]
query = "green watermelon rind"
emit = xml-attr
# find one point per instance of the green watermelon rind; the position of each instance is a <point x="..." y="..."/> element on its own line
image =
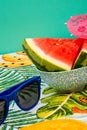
<point x="41" y="63"/>
<point x="82" y="60"/>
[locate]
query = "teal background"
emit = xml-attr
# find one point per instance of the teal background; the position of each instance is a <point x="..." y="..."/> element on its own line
<point x="35" y="18"/>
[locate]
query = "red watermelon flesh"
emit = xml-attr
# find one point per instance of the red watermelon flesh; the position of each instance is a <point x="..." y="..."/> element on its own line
<point x="85" y="45"/>
<point x="82" y="59"/>
<point x="62" y="49"/>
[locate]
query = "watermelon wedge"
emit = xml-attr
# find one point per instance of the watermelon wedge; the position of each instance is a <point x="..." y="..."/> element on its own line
<point x="82" y="59"/>
<point x="52" y="54"/>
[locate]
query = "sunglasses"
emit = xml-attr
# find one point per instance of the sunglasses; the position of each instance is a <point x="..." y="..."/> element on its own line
<point x="25" y="94"/>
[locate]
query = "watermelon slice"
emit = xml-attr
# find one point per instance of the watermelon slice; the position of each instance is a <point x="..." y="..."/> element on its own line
<point x="52" y="54"/>
<point x="82" y="59"/>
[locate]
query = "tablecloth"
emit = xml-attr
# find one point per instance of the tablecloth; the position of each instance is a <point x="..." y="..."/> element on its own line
<point x="17" y="67"/>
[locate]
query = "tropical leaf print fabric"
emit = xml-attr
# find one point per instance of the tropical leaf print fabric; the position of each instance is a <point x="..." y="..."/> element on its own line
<point x="52" y="104"/>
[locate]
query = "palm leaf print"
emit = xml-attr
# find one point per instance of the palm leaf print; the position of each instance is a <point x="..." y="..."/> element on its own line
<point x="27" y="71"/>
<point x="9" y="77"/>
<point x="59" y="105"/>
<point x="17" y="119"/>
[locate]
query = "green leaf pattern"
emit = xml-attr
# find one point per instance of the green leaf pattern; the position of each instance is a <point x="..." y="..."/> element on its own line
<point x="52" y="104"/>
<point x="60" y="105"/>
<point x="9" y="77"/>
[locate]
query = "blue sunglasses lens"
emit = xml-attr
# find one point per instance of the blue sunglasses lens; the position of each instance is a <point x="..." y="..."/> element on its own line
<point x="28" y="96"/>
<point x="2" y="109"/>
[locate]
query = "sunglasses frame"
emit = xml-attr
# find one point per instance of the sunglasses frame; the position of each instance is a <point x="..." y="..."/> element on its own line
<point x="11" y="94"/>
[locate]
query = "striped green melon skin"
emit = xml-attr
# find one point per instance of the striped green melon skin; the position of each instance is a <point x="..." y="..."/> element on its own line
<point x="41" y="64"/>
<point x="61" y="58"/>
<point x="82" y="59"/>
